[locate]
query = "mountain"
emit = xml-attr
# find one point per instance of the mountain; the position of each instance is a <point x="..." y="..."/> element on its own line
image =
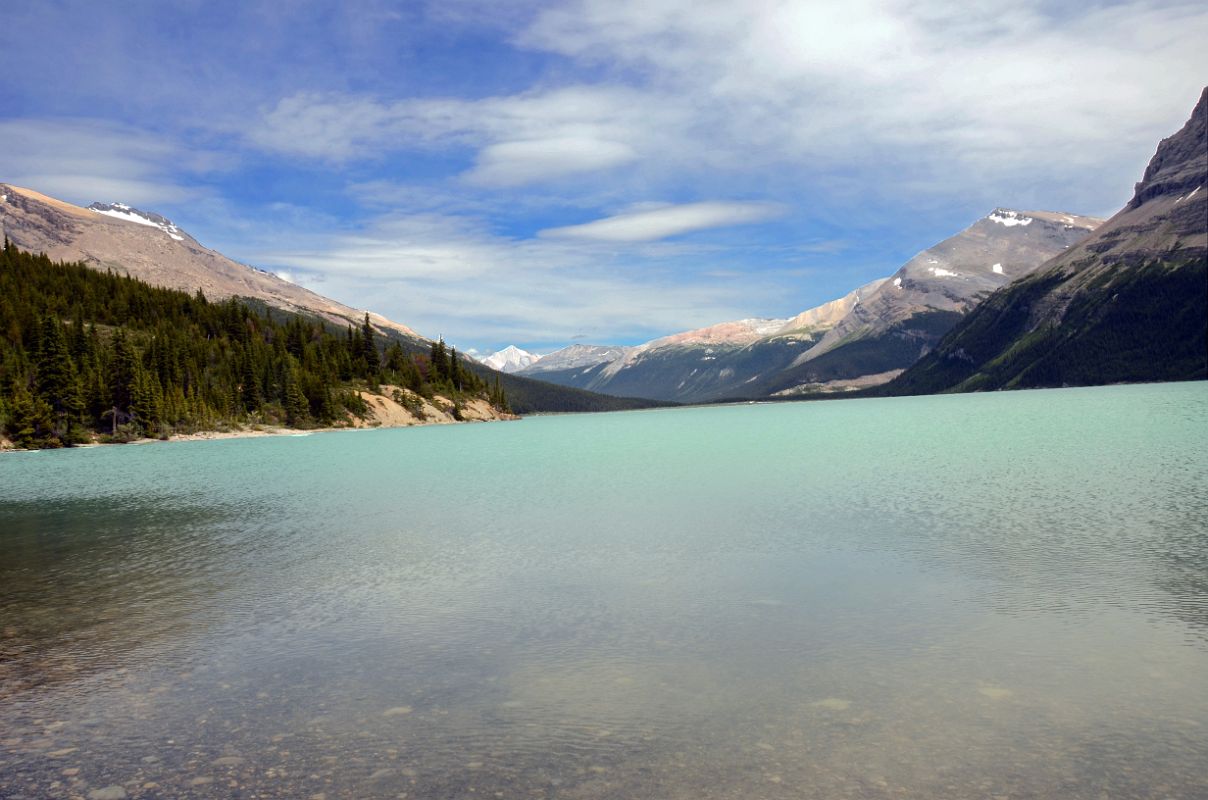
<point x="696" y="365"/>
<point x="576" y="356"/>
<point x="1127" y="304"/>
<point x="860" y="340"/>
<point x="907" y="315"/>
<point x="149" y="247"/>
<point x="510" y="359"/>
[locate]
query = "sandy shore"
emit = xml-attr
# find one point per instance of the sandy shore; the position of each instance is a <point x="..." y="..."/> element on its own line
<point x="385" y="411"/>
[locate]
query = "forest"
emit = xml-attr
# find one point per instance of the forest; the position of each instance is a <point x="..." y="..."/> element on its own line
<point x="89" y="356"/>
<point x="1133" y="324"/>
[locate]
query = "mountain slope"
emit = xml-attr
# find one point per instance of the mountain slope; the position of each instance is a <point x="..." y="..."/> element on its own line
<point x="149" y="247"/>
<point x="909" y="313"/>
<point x="1127" y="304"/>
<point x="862" y="339"/>
<point x="702" y="364"/>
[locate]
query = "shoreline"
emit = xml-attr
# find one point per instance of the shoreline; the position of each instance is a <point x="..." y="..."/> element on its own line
<point x="383" y="412"/>
<point x="248" y="433"/>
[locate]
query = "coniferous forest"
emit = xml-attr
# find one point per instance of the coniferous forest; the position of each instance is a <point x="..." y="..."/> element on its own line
<point x="88" y="355"/>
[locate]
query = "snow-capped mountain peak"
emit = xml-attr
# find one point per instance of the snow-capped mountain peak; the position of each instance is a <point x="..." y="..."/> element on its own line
<point x="123" y="211"/>
<point x="510" y="359"/>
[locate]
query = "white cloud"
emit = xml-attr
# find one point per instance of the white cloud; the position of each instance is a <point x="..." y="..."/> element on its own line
<point x="519" y="139"/>
<point x="331" y="127"/>
<point x="975" y="98"/>
<point x="82" y="160"/>
<point x="516" y="163"/>
<point x="659" y="223"/>
<point x="451" y="276"/>
<point x="1026" y="104"/>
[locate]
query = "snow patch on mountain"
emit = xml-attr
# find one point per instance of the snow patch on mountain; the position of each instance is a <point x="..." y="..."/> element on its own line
<point x="585" y="357"/>
<point x="125" y="212"/>
<point x="1181" y="199"/>
<point x="1009" y="218"/>
<point x="510" y="359"/>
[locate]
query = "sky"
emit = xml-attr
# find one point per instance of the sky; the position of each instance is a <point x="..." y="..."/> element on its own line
<point x="600" y="171"/>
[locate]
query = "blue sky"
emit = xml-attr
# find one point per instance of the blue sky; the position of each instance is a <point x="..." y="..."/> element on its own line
<point x="592" y="170"/>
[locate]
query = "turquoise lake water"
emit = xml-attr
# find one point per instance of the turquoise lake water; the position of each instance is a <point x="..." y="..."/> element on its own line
<point x="998" y="595"/>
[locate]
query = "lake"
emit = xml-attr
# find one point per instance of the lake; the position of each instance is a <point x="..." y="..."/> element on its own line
<point x="996" y="595"/>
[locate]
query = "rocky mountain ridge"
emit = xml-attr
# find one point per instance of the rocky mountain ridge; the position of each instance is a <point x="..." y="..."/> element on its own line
<point x="576" y="356"/>
<point x="862" y="339"/>
<point x="1126" y="304"/>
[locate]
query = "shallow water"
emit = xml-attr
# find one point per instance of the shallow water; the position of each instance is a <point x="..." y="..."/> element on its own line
<point x="1001" y="595"/>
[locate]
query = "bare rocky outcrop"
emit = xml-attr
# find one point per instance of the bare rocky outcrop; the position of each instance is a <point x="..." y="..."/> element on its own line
<point x="397" y="407"/>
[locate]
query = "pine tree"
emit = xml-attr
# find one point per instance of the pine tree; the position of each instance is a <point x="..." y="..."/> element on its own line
<point x="30" y="420"/>
<point x="122" y="372"/>
<point x="455" y="378"/>
<point x="369" y="349"/>
<point x="56" y="379"/>
<point x="297" y="408"/>
<point x="249" y="383"/>
<point x="439" y="361"/>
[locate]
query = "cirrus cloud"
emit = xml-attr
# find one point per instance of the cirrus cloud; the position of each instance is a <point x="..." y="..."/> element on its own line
<point x="518" y="139"/>
<point x="517" y="163"/>
<point x="650" y="224"/>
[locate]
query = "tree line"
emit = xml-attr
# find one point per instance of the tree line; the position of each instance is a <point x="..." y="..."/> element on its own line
<point x="86" y="354"/>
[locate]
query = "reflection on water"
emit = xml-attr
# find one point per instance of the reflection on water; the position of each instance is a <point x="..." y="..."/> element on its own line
<point x="991" y="596"/>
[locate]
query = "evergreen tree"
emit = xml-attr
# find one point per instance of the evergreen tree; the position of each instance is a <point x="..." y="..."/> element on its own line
<point x="297" y="408"/>
<point x="56" y="379"/>
<point x="31" y="420"/>
<point x="122" y="372"/>
<point x="369" y="349"/>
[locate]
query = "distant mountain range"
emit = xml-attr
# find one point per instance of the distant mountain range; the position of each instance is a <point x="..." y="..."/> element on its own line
<point x="1127" y="304"/>
<point x="864" y="338"/>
